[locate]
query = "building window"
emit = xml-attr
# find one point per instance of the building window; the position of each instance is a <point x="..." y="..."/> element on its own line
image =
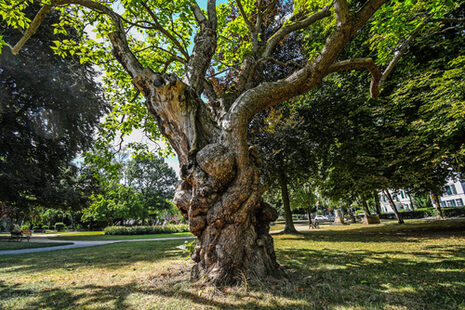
<point x="402" y="194"/>
<point x="443" y="204"/>
<point x="451" y="203"/>
<point x="459" y="202"/>
<point x="450" y="190"/>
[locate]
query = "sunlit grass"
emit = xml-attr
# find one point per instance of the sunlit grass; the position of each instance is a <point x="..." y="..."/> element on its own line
<point x="417" y="266"/>
<point x="99" y="235"/>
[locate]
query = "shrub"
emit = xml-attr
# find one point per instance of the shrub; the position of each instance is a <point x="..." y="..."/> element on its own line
<point x="454" y="211"/>
<point x="45" y="227"/>
<point x="145" y="230"/>
<point x="188" y="248"/>
<point x="15" y="229"/>
<point x="59" y="226"/>
<point x="24" y="227"/>
<point x="426" y="212"/>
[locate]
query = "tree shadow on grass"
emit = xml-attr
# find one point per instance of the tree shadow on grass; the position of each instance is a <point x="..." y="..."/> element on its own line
<point x="423" y="277"/>
<point x="392" y="233"/>
<point x="114" y="256"/>
<point x="320" y="279"/>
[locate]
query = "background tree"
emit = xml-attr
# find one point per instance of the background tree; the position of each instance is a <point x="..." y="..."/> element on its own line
<point x="220" y="192"/>
<point x="282" y="139"/>
<point x="49" y="107"/>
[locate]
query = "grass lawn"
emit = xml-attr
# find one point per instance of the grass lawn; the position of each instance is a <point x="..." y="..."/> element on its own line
<point x="420" y="265"/>
<point x="27" y="245"/>
<point x="99" y="235"/>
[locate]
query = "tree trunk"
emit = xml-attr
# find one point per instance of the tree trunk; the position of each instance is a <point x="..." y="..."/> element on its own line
<point x="437" y="206"/>
<point x="289" y="227"/>
<point x="393" y="206"/>
<point x="365" y="205"/>
<point x="309" y="211"/>
<point x="220" y="192"/>
<point x="411" y="200"/>
<point x="377" y="202"/>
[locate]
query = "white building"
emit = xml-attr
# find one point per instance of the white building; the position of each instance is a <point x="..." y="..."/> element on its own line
<point x="453" y="196"/>
<point x="402" y="200"/>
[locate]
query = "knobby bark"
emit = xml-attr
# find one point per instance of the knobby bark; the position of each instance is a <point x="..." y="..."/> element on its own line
<point x="289" y="227"/>
<point x="393" y="207"/>
<point x="437" y="206"/>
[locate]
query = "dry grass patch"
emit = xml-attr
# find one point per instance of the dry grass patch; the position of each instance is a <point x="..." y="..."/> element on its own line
<point x="382" y="267"/>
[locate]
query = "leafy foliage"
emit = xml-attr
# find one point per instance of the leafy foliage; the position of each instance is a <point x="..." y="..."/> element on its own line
<point x="145" y="230"/>
<point x="49" y="109"/>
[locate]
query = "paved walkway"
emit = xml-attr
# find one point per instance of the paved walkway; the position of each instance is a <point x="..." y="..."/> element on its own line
<point x="78" y="244"/>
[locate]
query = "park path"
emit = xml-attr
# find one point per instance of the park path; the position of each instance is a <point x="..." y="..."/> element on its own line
<point x="82" y="244"/>
<point x="78" y="244"/>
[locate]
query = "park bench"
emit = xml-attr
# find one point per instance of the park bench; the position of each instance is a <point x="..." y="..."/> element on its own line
<point x="19" y="236"/>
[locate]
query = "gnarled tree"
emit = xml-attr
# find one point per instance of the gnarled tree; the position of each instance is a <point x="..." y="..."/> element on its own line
<point x="204" y="105"/>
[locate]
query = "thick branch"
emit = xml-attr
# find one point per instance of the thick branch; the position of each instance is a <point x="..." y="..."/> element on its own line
<point x="268" y="94"/>
<point x="293" y="26"/>
<point x="366" y="63"/>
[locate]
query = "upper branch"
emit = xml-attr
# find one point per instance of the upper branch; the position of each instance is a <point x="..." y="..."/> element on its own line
<point x="341" y="8"/>
<point x="204" y="48"/>
<point x="118" y="38"/>
<point x="164" y="31"/>
<point x="199" y="17"/>
<point x="268" y="94"/>
<point x="401" y="50"/>
<point x="212" y="18"/>
<point x="366" y="63"/>
<point x="293" y="26"/>
<point x="367" y="10"/>
<point x="32" y="28"/>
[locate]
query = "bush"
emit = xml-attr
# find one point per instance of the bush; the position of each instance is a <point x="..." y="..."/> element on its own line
<point x="145" y="230"/>
<point x="44" y="227"/>
<point x="59" y="226"/>
<point x="25" y="227"/>
<point x="454" y="211"/>
<point x="426" y="212"/>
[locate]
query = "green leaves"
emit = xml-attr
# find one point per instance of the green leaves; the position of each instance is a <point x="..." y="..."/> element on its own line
<point x="395" y="21"/>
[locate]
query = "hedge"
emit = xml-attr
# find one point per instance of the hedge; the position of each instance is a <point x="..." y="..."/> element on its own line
<point x="426" y="212"/>
<point x="145" y="230"/>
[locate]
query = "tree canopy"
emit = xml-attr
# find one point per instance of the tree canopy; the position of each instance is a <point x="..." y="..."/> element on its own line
<point x="49" y="108"/>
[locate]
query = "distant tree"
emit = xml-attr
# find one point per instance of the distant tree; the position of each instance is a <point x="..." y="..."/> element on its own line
<point x="153" y="179"/>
